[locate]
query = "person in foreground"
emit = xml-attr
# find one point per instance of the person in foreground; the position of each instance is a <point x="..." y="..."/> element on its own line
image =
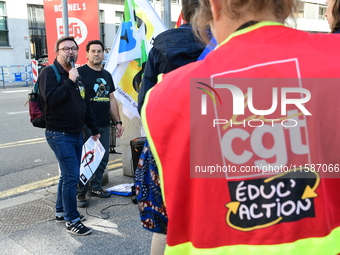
<point x="333" y="15"/>
<point x="66" y="111"/>
<point x="246" y="141"/>
<point x="99" y="88"/>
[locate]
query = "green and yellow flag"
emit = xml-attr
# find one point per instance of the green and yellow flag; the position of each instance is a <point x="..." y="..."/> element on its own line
<point x="130" y="49"/>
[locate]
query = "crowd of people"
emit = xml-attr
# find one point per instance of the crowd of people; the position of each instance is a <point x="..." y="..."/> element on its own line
<point x="292" y="212"/>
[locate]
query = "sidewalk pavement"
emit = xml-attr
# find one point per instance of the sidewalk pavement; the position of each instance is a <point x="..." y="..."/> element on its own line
<point x="27" y="225"/>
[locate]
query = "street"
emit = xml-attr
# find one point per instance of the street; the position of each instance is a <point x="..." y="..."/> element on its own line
<point x="26" y="161"/>
<point x="28" y="178"/>
<point x="25" y="154"/>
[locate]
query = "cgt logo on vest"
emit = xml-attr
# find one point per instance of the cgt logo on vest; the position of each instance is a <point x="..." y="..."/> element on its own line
<point x="257" y="122"/>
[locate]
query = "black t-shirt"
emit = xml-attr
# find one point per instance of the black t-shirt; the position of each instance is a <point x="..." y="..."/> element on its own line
<point x="98" y="87"/>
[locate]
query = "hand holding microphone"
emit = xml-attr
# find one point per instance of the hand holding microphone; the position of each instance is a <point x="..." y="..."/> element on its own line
<point x="72" y="62"/>
<point x="73" y="73"/>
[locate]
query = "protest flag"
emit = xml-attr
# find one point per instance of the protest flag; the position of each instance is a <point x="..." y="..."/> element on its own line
<point x="130" y="49"/>
<point x="180" y="21"/>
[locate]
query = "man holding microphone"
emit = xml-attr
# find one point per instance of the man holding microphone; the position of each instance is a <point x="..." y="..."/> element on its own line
<point x="66" y="112"/>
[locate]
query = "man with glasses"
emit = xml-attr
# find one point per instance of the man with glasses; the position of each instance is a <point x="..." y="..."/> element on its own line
<point x="66" y="111"/>
<point x="99" y="87"/>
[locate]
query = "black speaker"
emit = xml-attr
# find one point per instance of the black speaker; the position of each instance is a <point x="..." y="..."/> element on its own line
<point x="136" y="145"/>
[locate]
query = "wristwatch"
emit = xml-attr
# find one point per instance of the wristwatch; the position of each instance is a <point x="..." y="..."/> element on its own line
<point x="119" y="122"/>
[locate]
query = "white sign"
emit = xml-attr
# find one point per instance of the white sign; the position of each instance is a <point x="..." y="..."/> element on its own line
<point x="92" y="154"/>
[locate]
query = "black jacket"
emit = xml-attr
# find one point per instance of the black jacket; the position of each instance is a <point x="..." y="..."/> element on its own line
<point x="66" y="110"/>
<point x="171" y="49"/>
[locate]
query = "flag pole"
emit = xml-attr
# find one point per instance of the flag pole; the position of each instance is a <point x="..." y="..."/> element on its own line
<point x="65" y="17"/>
<point x="166" y="13"/>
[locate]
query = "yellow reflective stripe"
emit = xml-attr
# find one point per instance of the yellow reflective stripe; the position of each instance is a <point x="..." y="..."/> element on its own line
<point x="250" y="28"/>
<point x="328" y="245"/>
<point x="159" y="77"/>
<point x="151" y="142"/>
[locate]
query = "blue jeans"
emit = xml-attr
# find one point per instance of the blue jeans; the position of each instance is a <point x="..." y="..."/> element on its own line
<point x="67" y="149"/>
<point x="96" y="180"/>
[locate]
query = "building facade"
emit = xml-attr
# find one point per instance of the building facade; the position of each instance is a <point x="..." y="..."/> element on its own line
<point x="310" y="17"/>
<point x="23" y="35"/>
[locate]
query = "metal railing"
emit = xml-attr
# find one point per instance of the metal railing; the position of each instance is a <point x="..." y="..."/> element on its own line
<point x="16" y="74"/>
<point x="2" y="77"/>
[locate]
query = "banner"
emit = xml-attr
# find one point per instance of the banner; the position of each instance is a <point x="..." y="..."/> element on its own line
<point x="83" y="23"/>
<point x="91" y="156"/>
<point x="130" y="49"/>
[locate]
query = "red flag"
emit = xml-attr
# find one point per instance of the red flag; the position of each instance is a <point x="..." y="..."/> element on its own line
<point x="180" y="21"/>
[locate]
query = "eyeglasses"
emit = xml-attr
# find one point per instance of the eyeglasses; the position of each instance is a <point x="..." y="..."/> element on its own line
<point x="67" y="49"/>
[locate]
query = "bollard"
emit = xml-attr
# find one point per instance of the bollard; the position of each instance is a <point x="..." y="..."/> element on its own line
<point x="34" y="65"/>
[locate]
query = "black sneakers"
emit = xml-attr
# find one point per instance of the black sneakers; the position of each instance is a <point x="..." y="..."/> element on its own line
<point x="61" y="218"/>
<point x="81" y="201"/>
<point x="100" y="193"/>
<point x="78" y="229"/>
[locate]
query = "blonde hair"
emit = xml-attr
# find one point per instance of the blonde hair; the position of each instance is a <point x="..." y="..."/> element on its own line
<point x="235" y="9"/>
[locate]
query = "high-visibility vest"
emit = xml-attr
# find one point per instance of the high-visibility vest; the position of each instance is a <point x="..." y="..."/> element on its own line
<point x="251" y="214"/>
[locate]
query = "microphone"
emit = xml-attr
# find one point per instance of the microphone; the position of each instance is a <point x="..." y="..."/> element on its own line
<point x="72" y="62"/>
<point x="73" y="66"/>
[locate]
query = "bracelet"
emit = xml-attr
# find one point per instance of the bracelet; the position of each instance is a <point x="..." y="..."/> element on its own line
<point x="119" y="122"/>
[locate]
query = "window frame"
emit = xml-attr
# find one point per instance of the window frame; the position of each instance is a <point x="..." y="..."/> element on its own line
<point x="37" y="31"/>
<point x="119" y="17"/>
<point x="4" y="31"/>
<point x="102" y="25"/>
<point x="322" y="12"/>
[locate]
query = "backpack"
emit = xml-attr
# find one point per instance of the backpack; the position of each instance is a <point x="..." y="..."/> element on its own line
<point x="37" y="114"/>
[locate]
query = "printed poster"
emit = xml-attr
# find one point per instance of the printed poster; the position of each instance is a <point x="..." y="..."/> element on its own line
<point x="83" y="22"/>
<point x="92" y="154"/>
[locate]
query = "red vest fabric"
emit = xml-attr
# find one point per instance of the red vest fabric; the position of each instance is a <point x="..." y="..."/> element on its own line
<point x="244" y="214"/>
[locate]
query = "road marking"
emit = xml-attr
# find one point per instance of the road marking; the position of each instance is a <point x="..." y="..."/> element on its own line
<point x="24" y="142"/>
<point x="112" y="164"/>
<point x="10" y="113"/>
<point x="31" y="186"/>
<point x="15" y="91"/>
<point x="48" y="182"/>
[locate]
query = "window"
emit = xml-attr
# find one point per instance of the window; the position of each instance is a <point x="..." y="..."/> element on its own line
<point x="119" y="18"/>
<point x="322" y="12"/>
<point x="101" y="26"/>
<point x="300" y="10"/>
<point x="37" y="32"/>
<point x="3" y="26"/>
